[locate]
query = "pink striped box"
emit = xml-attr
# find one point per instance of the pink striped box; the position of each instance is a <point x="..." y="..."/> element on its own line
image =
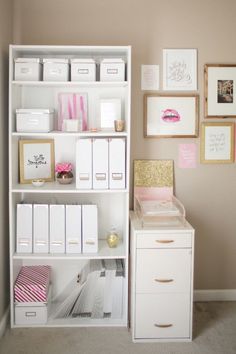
<point x="32" y="284"/>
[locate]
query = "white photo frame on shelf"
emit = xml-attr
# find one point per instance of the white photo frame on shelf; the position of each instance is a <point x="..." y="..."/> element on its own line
<point x="180" y="69"/>
<point x="36" y="160"/>
<point x="110" y="110"/>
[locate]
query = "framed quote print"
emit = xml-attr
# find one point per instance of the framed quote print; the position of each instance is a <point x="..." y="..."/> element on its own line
<point x="170" y="116"/>
<point x="220" y="90"/>
<point x="36" y="160"/>
<point x="217" y="142"/>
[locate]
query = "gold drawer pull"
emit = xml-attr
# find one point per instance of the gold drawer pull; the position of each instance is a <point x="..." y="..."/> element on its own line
<point x="164" y="241"/>
<point x="163" y="325"/>
<point x="164" y="280"/>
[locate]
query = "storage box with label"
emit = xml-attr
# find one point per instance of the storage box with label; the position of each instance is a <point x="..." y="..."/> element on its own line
<point x="55" y="69"/>
<point x="28" y="69"/>
<point x="83" y="70"/>
<point x="112" y="69"/>
<point x="24" y="228"/>
<point x="34" y="120"/>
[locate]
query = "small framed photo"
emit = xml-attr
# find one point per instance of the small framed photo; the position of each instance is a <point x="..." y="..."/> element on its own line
<point x="180" y="69"/>
<point x="170" y="116"/>
<point x="220" y="90"/>
<point x="217" y="142"/>
<point x="110" y="110"/>
<point x="36" y="159"/>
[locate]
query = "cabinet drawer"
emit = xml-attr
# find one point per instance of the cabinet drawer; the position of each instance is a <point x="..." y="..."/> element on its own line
<point x="170" y="240"/>
<point x="163" y="270"/>
<point x="162" y="316"/>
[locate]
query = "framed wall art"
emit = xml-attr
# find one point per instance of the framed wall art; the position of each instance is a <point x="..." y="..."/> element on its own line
<point x="180" y="69"/>
<point x="220" y="90"/>
<point x="217" y="142"/>
<point x="36" y="160"/>
<point x="170" y="116"/>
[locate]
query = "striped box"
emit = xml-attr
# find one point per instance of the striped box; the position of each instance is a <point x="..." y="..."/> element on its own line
<point x="32" y="284"/>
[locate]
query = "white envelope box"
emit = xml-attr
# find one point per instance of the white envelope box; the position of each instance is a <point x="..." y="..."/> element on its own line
<point x="55" y="69"/>
<point x="84" y="164"/>
<point x="28" y="69"/>
<point x="34" y="120"/>
<point x="90" y="228"/>
<point x="40" y="228"/>
<point x="112" y="69"/>
<point x="24" y="228"/>
<point x="73" y="228"/>
<point x="83" y="70"/>
<point x="57" y="228"/>
<point x="116" y="163"/>
<point x="100" y="163"/>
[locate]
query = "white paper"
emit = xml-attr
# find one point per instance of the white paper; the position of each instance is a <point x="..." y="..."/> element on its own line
<point x="150" y="77"/>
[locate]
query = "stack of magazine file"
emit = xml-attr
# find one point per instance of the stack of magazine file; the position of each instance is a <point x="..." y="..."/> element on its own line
<point x="97" y="294"/>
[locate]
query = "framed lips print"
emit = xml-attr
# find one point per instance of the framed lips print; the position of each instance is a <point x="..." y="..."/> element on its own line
<point x="170" y="116"/>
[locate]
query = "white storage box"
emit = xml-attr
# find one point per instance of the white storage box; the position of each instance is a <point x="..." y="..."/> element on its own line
<point x="112" y="70"/>
<point x="55" y="69"/>
<point x="32" y="313"/>
<point x="24" y="228"/>
<point x="28" y="69"/>
<point x="34" y="120"/>
<point x="90" y="228"/>
<point x="83" y="70"/>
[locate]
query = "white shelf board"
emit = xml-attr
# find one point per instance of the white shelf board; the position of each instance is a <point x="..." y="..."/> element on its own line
<point x="56" y="187"/>
<point x="86" y="134"/>
<point x="97" y="84"/>
<point x="104" y="252"/>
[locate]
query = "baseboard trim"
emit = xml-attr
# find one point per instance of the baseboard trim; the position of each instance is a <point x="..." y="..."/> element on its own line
<point x="4" y="321"/>
<point x="215" y="295"/>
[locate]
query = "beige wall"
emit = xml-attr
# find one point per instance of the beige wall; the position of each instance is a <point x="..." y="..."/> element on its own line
<point x="5" y="39"/>
<point x="208" y="192"/>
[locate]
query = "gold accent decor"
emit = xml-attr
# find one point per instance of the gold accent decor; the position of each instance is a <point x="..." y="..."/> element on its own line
<point x="153" y="173"/>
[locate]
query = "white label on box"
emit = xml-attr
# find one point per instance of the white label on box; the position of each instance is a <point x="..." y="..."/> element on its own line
<point x="90" y="228"/>
<point x="24" y="228"/>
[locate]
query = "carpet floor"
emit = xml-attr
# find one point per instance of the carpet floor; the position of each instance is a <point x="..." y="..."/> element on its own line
<point x="214" y="333"/>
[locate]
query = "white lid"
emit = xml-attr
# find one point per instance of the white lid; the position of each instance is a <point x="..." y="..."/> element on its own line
<point x="27" y="60"/>
<point x="56" y="60"/>
<point x="83" y="60"/>
<point x="112" y="60"/>
<point x="35" y="110"/>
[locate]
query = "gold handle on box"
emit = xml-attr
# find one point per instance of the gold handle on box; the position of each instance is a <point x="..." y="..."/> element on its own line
<point x="163" y="325"/>
<point x="165" y="241"/>
<point x="164" y="280"/>
<point x="100" y="176"/>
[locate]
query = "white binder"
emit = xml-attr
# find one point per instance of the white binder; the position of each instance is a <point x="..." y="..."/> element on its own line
<point x="89" y="228"/>
<point x="84" y="164"/>
<point x="100" y="163"/>
<point x="117" y="163"/>
<point x="24" y="228"/>
<point x="40" y="228"/>
<point x="73" y="228"/>
<point x="57" y="228"/>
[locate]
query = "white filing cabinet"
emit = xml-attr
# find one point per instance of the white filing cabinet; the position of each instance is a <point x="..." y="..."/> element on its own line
<point x="161" y="282"/>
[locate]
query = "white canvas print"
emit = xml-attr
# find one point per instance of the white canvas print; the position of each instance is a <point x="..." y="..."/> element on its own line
<point x="180" y="69"/>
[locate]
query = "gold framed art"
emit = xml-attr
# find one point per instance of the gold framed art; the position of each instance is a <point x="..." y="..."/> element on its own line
<point x="171" y="116"/>
<point x="217" y="142"/>
<point x="36" y="160"/>
<point x="220" y="90"/>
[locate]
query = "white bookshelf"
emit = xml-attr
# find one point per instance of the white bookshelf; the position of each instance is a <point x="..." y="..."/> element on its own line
<point x="113" y="205"/>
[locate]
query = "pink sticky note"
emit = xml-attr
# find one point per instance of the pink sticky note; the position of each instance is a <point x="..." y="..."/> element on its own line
<point x="187" y="156"/>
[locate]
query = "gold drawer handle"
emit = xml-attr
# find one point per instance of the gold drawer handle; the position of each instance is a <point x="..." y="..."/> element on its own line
<point x="164" y="241"/>
<point x="164" y="280"/>
<point x="163" y="325"/>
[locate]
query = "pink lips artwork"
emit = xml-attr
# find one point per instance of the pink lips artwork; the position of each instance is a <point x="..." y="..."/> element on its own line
<point x="170" y="116"/>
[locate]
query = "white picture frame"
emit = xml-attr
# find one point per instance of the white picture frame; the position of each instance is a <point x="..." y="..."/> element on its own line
<point x="36" y="160"/>
<point x="220" y="90"/>
<point x="217" y="142"/>
<point x="171" y="116"/>
<point x="180" y="69"/>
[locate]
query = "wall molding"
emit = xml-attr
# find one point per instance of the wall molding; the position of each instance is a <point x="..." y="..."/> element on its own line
<point x="4" y="321"/>
<point x="214" y="295"/>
